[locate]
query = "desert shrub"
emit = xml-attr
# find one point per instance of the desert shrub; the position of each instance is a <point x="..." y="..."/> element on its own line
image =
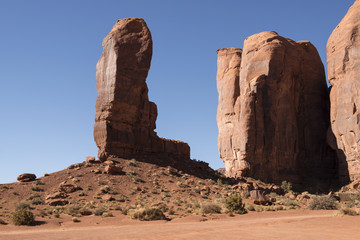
<point x="99" y="211"/>
<point x="105" y="189"/>
<point x="2" y="222"/>
<point x="219" y="182"/>
<point x="37" y="201"/>
<point x="102" y="182"/>
<point x="234" y="204"/>
<point x="208" y="208"/>
<point x="323" y="202"/>
<point x="133" y="163"/>
<point x="249" y="207"/>
<point x="286" y="186"/>
<point x="107" y="214"/>
<point x="37" y="189"/>
<point x="38" y="182"/>
<point x="74" y="210"/>
<point x="147" y="214"/>
<point x="347" y="211"/>
<point x="23" y="217"/>
<point x="22" y="205"/>
<point x="182" y="185"/>
<point x="32" y="196"/>
<point x="245" y="194"/>
<point x="75" y="219"/>
<point x="289" y="203"/>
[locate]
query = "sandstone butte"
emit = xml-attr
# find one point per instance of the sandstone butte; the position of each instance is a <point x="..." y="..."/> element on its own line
<point x="125" y="118"/>
<point x="343" y="62"/>
<point x="273" y="112"/>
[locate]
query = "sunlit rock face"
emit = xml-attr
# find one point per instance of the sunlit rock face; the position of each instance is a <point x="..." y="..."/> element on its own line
<point x="343" y="63"/>
<point x="125" y="118"/>
<point x="273" y="111"/>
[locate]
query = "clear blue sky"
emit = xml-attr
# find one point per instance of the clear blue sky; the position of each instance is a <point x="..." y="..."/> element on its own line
<point x="49" y="50"/>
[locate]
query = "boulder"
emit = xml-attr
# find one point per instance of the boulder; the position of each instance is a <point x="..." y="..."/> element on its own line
<point x="107" y="197"/>
<point x="273" y="112"/>
<point x="57" y="202"/>
<point x="125" y="118"/>
<point x="113" y="170"/>
<point x="26" y="177"/>
<point x="259" y="197"/>
<point x="90" y="159"/>
<point x="343" y="64"/>
<point x="68" y="187"/>
<point x="56" y="195"/>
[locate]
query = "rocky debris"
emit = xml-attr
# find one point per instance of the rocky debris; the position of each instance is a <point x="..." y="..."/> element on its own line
<point x="107" y="197"/>
<point x="259" y="197"/>
<point x="57" y="199"/>
<point x="273" y="111"/>
<point x="290" y="195"/>
<point x="56" y="195"/>
<point x="113" y="170"/>
<point x="90" y="159"/>
<point x="355" y="184"/>
<point x="57" y="202"/>
<point x="68" y="187"/>
<point x="26" y="177"/>
<point x="76" y="166"/>
<point x="125" y="118"/>
<point x="343" y="64"/>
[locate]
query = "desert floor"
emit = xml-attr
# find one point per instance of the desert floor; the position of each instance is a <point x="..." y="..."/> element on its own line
<point x="293" y="224"/>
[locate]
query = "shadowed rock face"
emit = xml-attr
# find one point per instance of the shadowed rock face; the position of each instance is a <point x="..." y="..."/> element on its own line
<point x="273" y="112"/>
<point x="125" y="118"/>
<point x="343" y="61"/>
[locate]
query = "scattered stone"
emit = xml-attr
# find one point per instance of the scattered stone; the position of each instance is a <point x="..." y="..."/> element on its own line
<point x="68" y="187"/>
<point x="56" y="195"/>
<point x="26" y="177"/>
<point x="259" y="197"/>
<point x="107" y="197"/>
<point x="290" y="195"/>
<point x="57" y="202"/>
<point x="113" y="170"/>
<point x="90" y="159"/>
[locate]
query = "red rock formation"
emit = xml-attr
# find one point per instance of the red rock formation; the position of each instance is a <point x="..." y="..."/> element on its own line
<point x="277" y="107"/>
<point x="229" y="60"/>
<point x="125" y="118"/>
<point x="343" y="61"/>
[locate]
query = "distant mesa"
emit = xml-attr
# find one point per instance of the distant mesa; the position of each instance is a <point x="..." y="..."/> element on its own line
<point x="125" y="118"/>
<point x="273" y="111"/>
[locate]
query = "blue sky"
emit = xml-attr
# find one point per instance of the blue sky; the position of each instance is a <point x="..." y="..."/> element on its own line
<point x="49" y="50"/>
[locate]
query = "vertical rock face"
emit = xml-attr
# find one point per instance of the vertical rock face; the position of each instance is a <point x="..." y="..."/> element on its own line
<point x="229" y="60"/>
<point x="343" y="61"/>
<point x="275" y="109"/>
<point x="125" y="118"/>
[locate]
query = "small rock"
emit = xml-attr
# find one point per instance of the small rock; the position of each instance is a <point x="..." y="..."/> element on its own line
<point x="26" y="177"/>
<point x="290" y="195"/>
<point x="90" y="159"/>
<point x="113" y="170"/>
<point x="56" y="195"/>
<point x="68" y="187"/>
<point x="57" y="202"/>
<point x="107" y="197"/>
<point x="259" y="197"/>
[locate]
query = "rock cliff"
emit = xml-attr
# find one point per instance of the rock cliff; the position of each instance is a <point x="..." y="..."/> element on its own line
<point x="273" y="112"/>
<point x="125" y="118"/>
<point x="343" y="62"/>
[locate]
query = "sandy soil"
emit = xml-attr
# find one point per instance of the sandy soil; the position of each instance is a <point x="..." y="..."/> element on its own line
<point x="295" y="224"/>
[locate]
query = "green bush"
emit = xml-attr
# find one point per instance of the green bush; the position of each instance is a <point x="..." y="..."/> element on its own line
<point x="2" y="222"/>
<point x="22" y="205"/>
<point x="23" y="217"/>
<point x="286" y="186"/>
<point x="323" y="202"/>
<point x="147" y="214"/>
<point x="234" y="204"/>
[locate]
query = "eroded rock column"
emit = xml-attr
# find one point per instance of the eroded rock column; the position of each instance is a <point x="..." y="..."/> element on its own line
<point x="125" y="118"/>
<point x="343" y="61"/>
